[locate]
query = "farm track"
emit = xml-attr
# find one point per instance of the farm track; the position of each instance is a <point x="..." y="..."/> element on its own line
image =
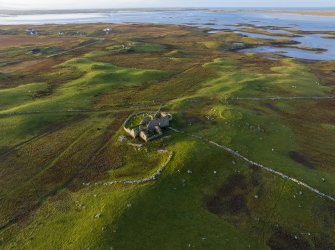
<point x="114" y="109"/>
<point x="38" y="203"/>
<point x="102" y="145"/>
<point x="270" y="170"/>
<point x="63" y="153"/>
<point x="50" y="165"/>
<point x="123" y="108"/>
<point x="34" y="138"/>
<point x="110" y="110"/>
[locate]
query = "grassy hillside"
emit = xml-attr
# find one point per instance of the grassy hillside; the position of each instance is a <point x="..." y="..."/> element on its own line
<point x="67" y="172"/>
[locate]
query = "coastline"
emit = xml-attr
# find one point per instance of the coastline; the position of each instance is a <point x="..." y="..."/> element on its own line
<point x="297" y="12"/>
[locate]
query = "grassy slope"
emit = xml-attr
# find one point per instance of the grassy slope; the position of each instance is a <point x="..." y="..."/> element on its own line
<point x="202" y="210"/>
<point x="174" y="206"/>
<point x="256" y="124"/>
<point x="19" y="95"/>
<point x="98" y="78"/>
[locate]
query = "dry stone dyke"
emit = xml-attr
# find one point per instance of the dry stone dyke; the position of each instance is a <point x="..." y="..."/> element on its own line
<point x="152" y="123"/>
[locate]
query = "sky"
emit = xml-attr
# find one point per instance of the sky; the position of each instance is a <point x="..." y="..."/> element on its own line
<point x="86" y="4"/>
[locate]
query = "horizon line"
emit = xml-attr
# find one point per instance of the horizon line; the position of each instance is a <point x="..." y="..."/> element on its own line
<point x="326" y="8"/>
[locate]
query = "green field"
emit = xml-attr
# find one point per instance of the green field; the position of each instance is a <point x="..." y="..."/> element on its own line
<point x="61" y="142"/>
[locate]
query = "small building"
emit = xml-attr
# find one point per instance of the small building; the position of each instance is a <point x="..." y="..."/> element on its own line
<point x="150" y="126"/>
<point x="32" y="32"/>
<point x="108" y="30"/>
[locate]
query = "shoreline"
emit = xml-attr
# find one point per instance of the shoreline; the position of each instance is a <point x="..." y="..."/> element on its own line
<point x="329" y="13"/>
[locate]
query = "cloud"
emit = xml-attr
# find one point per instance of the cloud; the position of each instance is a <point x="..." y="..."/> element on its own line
<point x="75" y="4"/>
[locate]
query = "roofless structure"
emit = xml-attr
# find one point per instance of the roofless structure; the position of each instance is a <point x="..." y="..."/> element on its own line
<point x="147" y="125"/>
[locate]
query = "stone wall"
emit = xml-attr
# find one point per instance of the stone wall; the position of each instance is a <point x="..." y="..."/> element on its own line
<point x="139" y="181"/>
<point x="162" y="122"/>
<point x="132" y="132"/>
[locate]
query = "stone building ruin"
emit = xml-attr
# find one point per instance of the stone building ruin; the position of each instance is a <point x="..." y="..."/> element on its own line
<point x="147" y="125"/>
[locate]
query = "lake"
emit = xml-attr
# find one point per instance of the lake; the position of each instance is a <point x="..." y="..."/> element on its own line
<point x="209" y="19"/>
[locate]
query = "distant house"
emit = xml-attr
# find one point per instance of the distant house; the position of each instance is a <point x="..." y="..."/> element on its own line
<point x="61" y="33"/>
<point x="108" y="30"/>
<point x="32" y="32"/>
<point x="150" y="127"/>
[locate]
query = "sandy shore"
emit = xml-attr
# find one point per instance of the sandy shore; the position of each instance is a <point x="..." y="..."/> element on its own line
<point x="311" y="13"/>
<point x="300" y="12"/>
